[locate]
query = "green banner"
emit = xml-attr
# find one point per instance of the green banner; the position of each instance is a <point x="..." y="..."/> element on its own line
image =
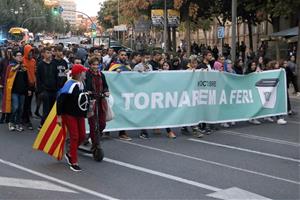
<point x="182" y="98"/>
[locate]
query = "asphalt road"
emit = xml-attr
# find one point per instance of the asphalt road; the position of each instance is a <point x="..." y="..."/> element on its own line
<point x="242" y="162"/>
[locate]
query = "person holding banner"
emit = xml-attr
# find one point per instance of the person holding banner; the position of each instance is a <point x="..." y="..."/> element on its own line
<point x="121" y="65"/>
<point x="72" y="107"/>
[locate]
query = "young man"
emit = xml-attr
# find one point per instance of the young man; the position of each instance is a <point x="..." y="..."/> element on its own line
<point x="72" y="107"/>
<point x="61" y="66"/>
<point x="47" y="82"/>
<point x="17" y="86"/>
<point x="30" y="65"/>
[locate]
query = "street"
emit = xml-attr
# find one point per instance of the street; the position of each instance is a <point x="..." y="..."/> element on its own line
<point x="242" y="162"/>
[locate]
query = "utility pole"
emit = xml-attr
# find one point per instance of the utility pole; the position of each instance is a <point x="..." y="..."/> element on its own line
<point x="165" y="27"/>
<point x="118" y="19"/>
<point x="233" y="33"/>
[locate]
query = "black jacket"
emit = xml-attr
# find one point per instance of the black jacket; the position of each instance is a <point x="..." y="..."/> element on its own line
<point x="61" y="67"/>
<point x="89" y="85"/>
<point x="46" y="77"/>
<point x="68" y="104"/>
<point x="21" y="84"/>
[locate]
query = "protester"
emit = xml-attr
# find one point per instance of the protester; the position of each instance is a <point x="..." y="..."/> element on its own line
<point x="293" y="66"/>
<point x="72" y="107"/>
<point x="97" y="87"/>
<point x="17" y="87"/>
<point x="47" y="83"/>
<point x="30" y="65"/>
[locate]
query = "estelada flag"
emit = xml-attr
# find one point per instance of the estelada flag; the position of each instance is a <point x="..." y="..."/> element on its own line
<point x="51" y="138"/>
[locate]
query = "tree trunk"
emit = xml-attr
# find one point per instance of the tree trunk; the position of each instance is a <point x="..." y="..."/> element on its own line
<point x="174" y="39"/>
<point x="169" y="39"/>
<point x="188" y="36"/>
<point x="205" y="36"/>
<point x="250" y="34"/>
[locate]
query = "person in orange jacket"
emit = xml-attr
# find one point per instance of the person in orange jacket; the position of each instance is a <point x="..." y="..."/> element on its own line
<point x="30" y="65"/>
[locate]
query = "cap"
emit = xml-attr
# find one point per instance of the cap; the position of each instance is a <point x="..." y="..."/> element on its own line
<point x="77" y="69"/>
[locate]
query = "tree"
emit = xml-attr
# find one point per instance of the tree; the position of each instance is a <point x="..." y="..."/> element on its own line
<point x="108" y="14"/>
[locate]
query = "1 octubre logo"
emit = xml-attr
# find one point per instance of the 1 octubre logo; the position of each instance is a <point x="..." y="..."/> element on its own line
<point x="267" y="89"/>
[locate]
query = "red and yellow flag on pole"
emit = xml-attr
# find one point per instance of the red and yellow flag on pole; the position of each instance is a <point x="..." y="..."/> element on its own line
<point x="51" y="138"/>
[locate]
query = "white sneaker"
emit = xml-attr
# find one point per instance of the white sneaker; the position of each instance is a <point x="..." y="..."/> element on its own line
<point x="298" y="94"/>
<point x="11" y="127"/>
<point x="233" y="123"/>
<point x="269" y="119"/>
<point x="254" y="121"/>
<point x="281" y="121"/>
<point x="225" y="125"/>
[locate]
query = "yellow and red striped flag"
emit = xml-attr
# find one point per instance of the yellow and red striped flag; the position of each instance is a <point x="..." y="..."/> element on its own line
<point x="51" y="138"/>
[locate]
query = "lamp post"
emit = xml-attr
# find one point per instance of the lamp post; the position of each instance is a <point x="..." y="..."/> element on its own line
<point x="233" y="31"/>
<point x="165" y="27"/>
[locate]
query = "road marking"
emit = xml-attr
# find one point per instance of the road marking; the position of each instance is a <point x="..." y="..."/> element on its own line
<point x="218" y="192"/>
<point x="260" y="138"/>
<point x="65" y="183"/>
<point x="246" y="150"/>
<point x="236" y="193"/>
<point x="32" y="184"/>
<point x="293" y="122"/>
<point x="211" y="162"/>
<point x="161" y="174"/>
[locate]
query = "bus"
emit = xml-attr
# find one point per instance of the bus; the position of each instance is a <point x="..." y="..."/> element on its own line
<point x="18" y="34"/>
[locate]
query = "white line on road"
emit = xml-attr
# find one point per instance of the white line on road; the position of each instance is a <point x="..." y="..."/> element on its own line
<point x="260" y="138"/>
<point x="161" y="174"/>
<point x="32" y="184"/>
<point x="246" y="150"/>
<point x="293" y="122"/>
<point x="65" y="183"/>
<point x="226" y="194"/>
<point x="211" y="162"/>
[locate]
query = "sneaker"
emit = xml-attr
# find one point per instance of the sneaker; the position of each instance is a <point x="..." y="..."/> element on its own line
<point x="29" y="126"/>
<point x="144" y="135"/>
<point x="208" y="131"/>
<point x="171" y="135"/>
<point x="281" y="121"/>
<point x="11" y="127"/>
<point x="125" y="137"/>
<point x="184" y="130"/>
<point x="233" y="123"/>
<point x="39" y="128"/>
<point x="19" y="128"/>
<point x="298" y="94"/>
<point x="269" y="119"/>
<point x="291" y="112"/>
<point x="254" y="121"/>
<point x="75" y="168"/>
<point x="225" y="125"/>
<point x="68" y="158"/>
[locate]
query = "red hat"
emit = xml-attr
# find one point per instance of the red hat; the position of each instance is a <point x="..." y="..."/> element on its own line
<point x="77" y="69"/>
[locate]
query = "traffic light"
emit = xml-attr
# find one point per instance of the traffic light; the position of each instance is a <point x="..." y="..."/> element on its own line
<point x="94" y="33"/>
<point x="57" y="10"/>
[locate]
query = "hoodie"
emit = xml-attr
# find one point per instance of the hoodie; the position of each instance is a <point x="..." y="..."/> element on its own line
<point x="30" y="66"/>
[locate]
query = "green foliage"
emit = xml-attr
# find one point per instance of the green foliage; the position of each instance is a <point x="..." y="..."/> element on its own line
<point x="108" y="14"/>
<point x="30" y="13"/>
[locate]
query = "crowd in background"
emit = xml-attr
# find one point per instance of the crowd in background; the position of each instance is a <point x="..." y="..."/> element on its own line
<point x="41" y="71"/>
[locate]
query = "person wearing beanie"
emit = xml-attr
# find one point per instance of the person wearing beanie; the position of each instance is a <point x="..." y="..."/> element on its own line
<point x="72" y="106"/>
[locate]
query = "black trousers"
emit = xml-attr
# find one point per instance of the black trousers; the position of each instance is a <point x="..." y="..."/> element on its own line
<point x="48" y="99"/>
<point x="27" y="113"/>
<point x="294" y="82"/>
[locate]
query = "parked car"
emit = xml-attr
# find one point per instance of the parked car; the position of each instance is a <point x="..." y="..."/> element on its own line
<point x="48" y="40"/>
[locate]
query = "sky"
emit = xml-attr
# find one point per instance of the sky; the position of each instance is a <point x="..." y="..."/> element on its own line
<point x="90" y="7"/>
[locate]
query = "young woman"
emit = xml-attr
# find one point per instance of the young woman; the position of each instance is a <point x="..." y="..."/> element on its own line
<point x="97" y="87"/>
<point x="72" y="107"/>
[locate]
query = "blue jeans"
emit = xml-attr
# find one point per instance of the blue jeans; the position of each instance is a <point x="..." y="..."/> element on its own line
<point x="17" y="103"/>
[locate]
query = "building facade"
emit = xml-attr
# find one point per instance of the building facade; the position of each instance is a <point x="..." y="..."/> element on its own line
<point x="68" y="15"/>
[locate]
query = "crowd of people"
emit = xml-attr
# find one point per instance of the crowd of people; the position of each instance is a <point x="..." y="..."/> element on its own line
<point x="65" y="73"/>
